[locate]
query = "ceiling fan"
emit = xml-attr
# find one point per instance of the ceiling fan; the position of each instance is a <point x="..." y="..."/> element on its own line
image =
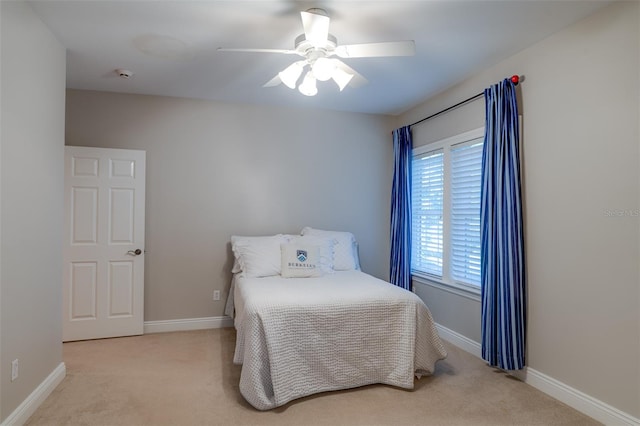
<point x="319" y="48"/>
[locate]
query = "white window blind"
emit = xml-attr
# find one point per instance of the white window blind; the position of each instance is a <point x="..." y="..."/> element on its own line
<point x="466" y="160"/>
<point x="427" y="212"/>
<point x="445" y="200"/>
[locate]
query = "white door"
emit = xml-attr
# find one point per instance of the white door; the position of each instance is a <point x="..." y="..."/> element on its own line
<point x="103" y="250"/>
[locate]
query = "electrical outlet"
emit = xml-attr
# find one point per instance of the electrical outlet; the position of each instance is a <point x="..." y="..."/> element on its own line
<point x="216" y="294"/>
<point x="14" y="370"/>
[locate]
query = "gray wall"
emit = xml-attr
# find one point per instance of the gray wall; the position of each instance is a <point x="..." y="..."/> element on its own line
<point x="580" y="107"/>
<point x="214" y="170"/>
<point x="31" y="214"/>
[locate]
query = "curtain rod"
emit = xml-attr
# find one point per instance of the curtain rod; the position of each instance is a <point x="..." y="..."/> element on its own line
<point x="514" y="79"/>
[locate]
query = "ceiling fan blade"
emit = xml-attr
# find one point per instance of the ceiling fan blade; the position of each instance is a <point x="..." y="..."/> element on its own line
<point x="273" y="82"/>
<point x="369" y="50"/>
<point x="316" y="27"/>
<point x="358" y="80"/>
<point x="226" y="49"/>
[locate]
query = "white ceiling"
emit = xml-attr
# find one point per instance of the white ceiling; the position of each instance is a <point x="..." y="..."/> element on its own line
<point x="171" y="45"/>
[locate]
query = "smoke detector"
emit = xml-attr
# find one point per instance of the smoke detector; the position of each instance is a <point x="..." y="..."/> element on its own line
<point x="124" y="73"/>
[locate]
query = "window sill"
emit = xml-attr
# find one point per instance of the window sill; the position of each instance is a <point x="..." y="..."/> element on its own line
<point x="469" y="292"/>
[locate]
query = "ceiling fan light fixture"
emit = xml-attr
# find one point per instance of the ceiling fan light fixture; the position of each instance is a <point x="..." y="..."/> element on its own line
<point x="291" y="74"/>
<point x="317" y="46"/>
<point x="323" y="69"/>
<point x="308" y="86"/>
<point x="341" y="77"/>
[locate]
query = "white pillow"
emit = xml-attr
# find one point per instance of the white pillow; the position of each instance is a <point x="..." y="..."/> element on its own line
<point x="257" y="256"/>
<point x="326" y="247"/>
<point x="344" y="254"/>
<point x="300" y="260"/>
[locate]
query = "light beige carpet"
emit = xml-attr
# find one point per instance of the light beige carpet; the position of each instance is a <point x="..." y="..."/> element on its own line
<point x="188" y="378"/>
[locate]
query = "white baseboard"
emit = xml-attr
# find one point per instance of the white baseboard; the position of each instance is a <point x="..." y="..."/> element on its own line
<point x="574" y="398"/>
<point x="21" y="414"/>
<point x="460" y="341"/>
<point x="187" y="324"/>
<point x="582" y="402"/>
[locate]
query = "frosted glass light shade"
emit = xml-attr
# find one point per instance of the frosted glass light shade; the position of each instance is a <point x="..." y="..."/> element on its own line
<point x="323" y="69"/>
<point x="308" y="86"/>
<point x="291" y="74"/>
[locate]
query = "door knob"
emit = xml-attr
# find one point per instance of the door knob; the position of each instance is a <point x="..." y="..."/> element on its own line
<point x="135" y="252"/>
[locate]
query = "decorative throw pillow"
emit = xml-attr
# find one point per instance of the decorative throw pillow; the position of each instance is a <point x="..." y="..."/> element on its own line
<point x="326" y="249"/>
<point x="300" y="260"/>
<point x="257" y="256"/>
<point x="344" y="255"/>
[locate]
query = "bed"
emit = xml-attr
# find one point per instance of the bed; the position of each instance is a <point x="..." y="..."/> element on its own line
<point x="333" y="330"/>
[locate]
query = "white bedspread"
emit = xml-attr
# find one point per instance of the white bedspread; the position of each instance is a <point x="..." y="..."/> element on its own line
<point x="300" y="336"/>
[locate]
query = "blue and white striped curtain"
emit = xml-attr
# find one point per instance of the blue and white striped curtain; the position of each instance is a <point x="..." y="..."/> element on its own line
<point x="502" y="239"/>
<point x="400" y="264"/>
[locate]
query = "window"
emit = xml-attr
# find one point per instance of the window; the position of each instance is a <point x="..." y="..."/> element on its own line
<point x="446" y="182"/>
<point x="427" y="202"/>
<point x="466" y="165"/>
